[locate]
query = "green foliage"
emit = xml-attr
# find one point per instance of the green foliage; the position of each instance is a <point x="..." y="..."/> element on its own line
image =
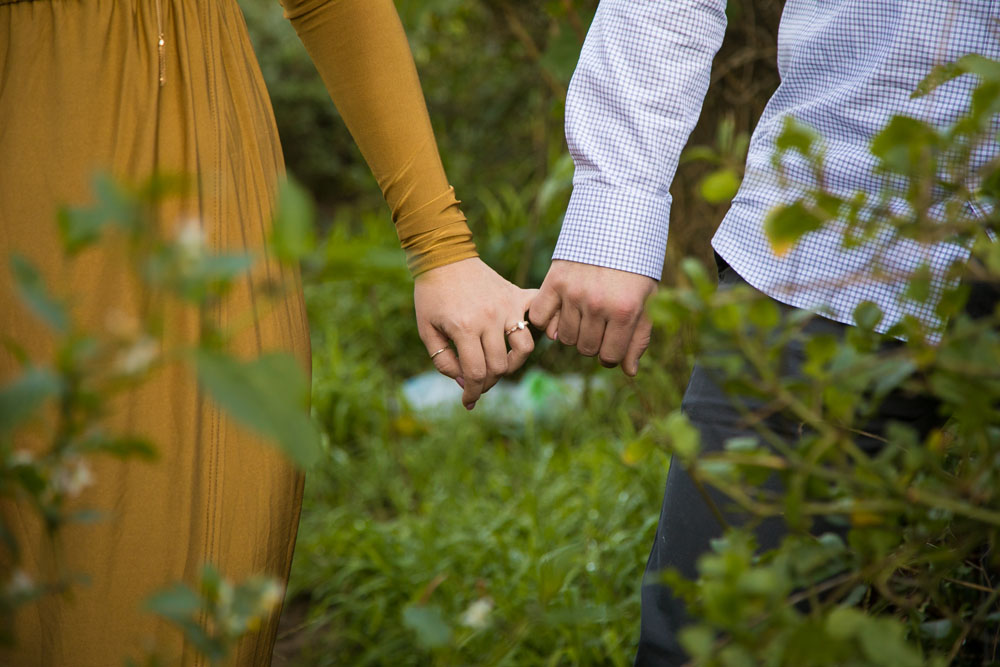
<point x="216" y="614"/>
<point x="906" y="573"/>
<point x="728" y="157"/>
<point x="467" y="540"/>
<point x="246" y="390"/>
<point x="21" y="398"/>
<point x="448" y="537"/>
<point x="293" y="231"/>
<point x="32" y="290"/>
<point x="54" y="415"/>
<point x="786" y="225"/>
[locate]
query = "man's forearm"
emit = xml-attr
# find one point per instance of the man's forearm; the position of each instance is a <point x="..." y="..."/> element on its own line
<point x="635" y="97"/>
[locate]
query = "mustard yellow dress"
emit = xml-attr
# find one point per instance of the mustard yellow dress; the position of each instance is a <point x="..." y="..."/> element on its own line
<point x="84" y="87"/>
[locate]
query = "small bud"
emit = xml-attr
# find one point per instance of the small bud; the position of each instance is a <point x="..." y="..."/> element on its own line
<point x="191" y="240"/>
<point x="137" y="357"/>
<point x="22" y="457"/>
<point x="20" y="584"/>
<point x="72" y="478"/>
<point x="477" y="616"/>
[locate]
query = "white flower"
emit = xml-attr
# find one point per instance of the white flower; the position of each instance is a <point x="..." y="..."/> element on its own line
<point x="478" y="613"/>
<point x="72" y="478"/>
<point x="20" y="584"/>
<point x="138" y="356"/>
<point x="191" y="240"/>
<point x="22" y="457"/>
<point x="270" y="596"/>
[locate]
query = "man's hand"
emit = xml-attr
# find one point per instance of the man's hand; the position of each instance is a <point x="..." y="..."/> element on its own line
<point x="599" y="310"/>
<point x="469" y="304"/>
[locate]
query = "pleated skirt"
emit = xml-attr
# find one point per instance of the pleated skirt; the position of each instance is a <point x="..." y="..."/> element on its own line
<point x="80" y="93"/>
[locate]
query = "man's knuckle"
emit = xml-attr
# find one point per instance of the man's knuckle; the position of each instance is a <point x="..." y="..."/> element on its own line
<point x="595" y="303"/>
<point x="575" y="293"/>
<point x="623" y="312"/>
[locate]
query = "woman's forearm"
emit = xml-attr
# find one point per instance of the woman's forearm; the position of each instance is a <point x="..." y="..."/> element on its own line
<point x="361" y="52"/>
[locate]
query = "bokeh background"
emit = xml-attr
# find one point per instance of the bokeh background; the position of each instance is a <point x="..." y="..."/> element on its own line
<point x="516" y="534"/>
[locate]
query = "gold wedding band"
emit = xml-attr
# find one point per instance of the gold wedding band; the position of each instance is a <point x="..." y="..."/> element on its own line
<point x="439" y="352"/>
<point x="517" y="327"/>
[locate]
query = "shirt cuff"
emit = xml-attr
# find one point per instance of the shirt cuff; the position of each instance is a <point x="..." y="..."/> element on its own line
<point x="615" y="228"/>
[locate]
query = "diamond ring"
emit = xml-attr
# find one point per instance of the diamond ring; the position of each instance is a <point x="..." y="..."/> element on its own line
<point x="517" y="327"/>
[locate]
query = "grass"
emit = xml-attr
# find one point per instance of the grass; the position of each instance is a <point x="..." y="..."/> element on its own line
<point x="457" y="538"/>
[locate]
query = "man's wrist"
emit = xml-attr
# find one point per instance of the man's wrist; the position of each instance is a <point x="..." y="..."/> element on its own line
<point x="624" y="229"/>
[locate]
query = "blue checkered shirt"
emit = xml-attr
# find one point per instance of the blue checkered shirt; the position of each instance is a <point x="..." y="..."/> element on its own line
<point x="846" y="67"/>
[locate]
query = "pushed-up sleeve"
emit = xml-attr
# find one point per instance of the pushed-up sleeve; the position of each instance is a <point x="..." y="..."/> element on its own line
<point x="363" y="57"/>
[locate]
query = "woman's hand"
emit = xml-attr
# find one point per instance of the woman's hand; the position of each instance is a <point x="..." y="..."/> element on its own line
<point x="469" y="304"/>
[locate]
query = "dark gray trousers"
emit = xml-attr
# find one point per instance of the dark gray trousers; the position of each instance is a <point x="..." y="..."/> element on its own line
<point x="687" y="524"/>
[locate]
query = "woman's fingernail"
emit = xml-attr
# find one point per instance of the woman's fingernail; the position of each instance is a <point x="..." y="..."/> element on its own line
<point x="461" y="382"/>
<point x="555" y="335"/>
<point x="469" y="406"/>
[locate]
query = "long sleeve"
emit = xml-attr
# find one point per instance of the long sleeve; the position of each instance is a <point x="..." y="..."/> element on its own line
<point x="362" y="55"/>
<point x="633" y="101"/>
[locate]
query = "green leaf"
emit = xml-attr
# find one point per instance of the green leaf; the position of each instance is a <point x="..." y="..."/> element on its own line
<point x="697" y="640"/>
<point x="35" y="295"/>
<point x="941" y="74"/>
<point x="867" y="315"/>
<point x="764" y="314"/>
<point x="700" y="154"/>
<point x="683" y="438"/>
<point x="269" y="395"/>
<point x="820" y="351"/>
<point x="223" y="268"/>
<point x="795" y="137"/>
<point x="22" y="397"/>
<point x="903" y="144"/>
<point x="882" y="640"/>
<point x="989" y="187"/>
<point x="79" y="228"/>
<point x="720" y="186"/>
<point x="293" y="234"/>
<point x="894" y="373"/>
<point x="987" y="69"/>
<point x="844" y="622"/>
<point x="87" y="516"/>
<point x="29" y="476"/>
<point x="785" y="225"/>
<point x="939" y="629"/>
<point x="429" y="625"/>
<point x="743" y="443"/>
<point x="210" y="583"/>
<point x="122" y="447"/>
<point x="176" y="603"/>
<point x="114" y="203"/>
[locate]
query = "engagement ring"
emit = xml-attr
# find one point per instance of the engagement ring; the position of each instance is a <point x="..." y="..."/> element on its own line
<point x="517" y="327"/>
